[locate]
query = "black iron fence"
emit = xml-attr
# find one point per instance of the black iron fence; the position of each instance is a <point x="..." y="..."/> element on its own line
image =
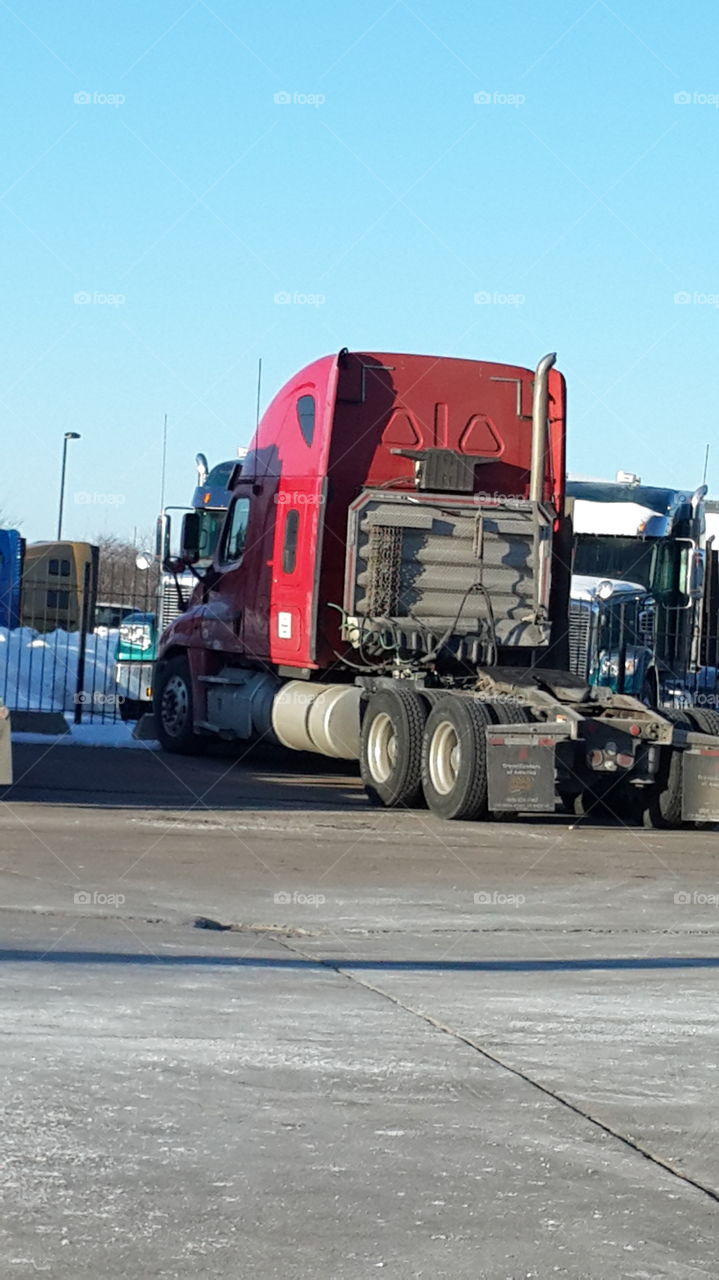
<point x="61" y="654"/>
<point x="82" y="640"/>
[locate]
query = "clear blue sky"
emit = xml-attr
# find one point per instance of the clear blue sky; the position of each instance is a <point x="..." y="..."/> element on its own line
<point x="589" y="197"/>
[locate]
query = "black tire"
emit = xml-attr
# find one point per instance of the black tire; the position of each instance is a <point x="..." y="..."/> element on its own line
<point x="391" y="748"/>
<point x="661" y="804"/>
<point x="705" y="720"/>
<point x="454" y="758"/>
<point x="649" y="692"/>
<point x="568" y="802"/>
<point x="133" y="709"/>
<point x="172" y="704"/>
<point x="508" y="712"/>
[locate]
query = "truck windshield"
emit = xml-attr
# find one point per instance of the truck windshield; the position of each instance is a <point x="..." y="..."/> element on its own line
<point x="621" y="558"/>
<point x="211" y="523"/>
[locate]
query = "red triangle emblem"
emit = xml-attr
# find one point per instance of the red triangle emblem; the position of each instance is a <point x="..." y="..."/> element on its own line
<point x="480" y="436"/>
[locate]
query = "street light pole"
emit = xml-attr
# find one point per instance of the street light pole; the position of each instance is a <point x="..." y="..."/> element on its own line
<point x="69" y="435"/>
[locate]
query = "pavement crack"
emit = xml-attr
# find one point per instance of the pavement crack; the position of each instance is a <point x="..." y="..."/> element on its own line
<point x="627" y="1141"/>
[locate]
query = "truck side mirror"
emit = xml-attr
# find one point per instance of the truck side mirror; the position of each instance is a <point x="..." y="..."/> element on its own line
<point x="190" y="538"/>
<point x="696" y="576"/>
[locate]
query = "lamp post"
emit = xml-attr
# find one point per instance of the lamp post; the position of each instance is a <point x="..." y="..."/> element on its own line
<point x="69" y="435"/>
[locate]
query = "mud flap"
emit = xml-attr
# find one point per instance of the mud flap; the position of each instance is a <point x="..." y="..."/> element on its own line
<point x="5" y="748"/>
<point x="521" y="775"/>
<point x="700" y="785"/>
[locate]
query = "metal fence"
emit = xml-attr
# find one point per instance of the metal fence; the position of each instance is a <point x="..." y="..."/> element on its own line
<point x="60" y="653"/>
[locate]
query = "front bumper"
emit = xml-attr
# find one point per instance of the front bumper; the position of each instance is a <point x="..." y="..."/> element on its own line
<point x="134" y="680"/>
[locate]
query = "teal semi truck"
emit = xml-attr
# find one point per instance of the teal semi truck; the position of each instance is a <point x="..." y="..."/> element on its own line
<point x="140" y="631"/>
<point x="640" y="573"/>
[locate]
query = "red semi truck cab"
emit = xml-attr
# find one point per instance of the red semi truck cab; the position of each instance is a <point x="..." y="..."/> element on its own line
<point x="344" y="427"/>
<point x="392" y="585"/>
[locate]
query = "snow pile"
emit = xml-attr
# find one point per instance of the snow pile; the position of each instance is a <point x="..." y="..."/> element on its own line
<point x="90" y="735"/>
<point x="38" y="672"/>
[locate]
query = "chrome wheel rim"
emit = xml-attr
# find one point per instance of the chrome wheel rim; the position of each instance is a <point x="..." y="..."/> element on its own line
<point x="445" y="758"/>
<point x="381" y="747"/>
<point x="175" y="706"/>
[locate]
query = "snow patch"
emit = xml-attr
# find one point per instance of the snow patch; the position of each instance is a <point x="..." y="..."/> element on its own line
<point x="90" y="735"/>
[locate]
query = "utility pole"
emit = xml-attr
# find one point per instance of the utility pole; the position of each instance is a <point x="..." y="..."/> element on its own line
<point x="164" y="465"/>
<point x="69" y="435"/>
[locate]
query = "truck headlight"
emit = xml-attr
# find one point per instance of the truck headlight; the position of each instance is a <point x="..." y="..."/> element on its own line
<point x="610" y="666"/>
<point x="136" y="634"/>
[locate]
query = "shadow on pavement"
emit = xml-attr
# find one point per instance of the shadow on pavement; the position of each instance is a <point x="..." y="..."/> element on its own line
<point x="106" y="777"/>
<point x="261" y="778"/>
<point x="8" y="955"/>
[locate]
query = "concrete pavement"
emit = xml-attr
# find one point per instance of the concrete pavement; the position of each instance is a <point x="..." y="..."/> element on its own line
<point x="410" y="1048"/>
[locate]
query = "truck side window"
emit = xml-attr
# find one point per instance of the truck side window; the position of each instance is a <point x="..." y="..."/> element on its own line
<point x="289" y="551"/>
<point x="236" y="535"/>
<point x="306" y="417"/>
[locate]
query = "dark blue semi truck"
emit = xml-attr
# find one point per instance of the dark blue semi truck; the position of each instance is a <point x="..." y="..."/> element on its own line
<point x="642" y="575"/>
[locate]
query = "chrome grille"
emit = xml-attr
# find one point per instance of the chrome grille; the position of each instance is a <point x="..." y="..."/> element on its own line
<point x="580" y="626"/>
<point x="169" y="608"/>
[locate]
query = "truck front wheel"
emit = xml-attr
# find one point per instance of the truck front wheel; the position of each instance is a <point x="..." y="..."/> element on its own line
<point x="391" y="748"/>
<point x="173" y="707"/>
<point x="454" y="758"/>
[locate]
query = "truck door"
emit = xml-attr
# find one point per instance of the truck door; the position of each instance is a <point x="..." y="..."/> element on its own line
<point x="228" y="618"/>
<point x="295" y="561"/>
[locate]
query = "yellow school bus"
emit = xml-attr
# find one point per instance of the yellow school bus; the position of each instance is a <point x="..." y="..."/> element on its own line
<point x="59" y="582"/>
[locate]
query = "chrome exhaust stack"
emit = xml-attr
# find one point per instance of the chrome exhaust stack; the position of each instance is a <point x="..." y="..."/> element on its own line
<point x="540" y="409"/>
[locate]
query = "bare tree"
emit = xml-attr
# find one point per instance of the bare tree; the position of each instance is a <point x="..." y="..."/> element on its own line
<point x="120" y="581"/>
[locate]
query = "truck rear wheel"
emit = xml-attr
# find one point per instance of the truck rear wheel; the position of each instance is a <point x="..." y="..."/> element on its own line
<point x="705" y="719"/>
<point x="661" y="804"/>
<point x="173" y="708"/>
<point x="454" y="758"/>
<point x="391" y="748"/>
